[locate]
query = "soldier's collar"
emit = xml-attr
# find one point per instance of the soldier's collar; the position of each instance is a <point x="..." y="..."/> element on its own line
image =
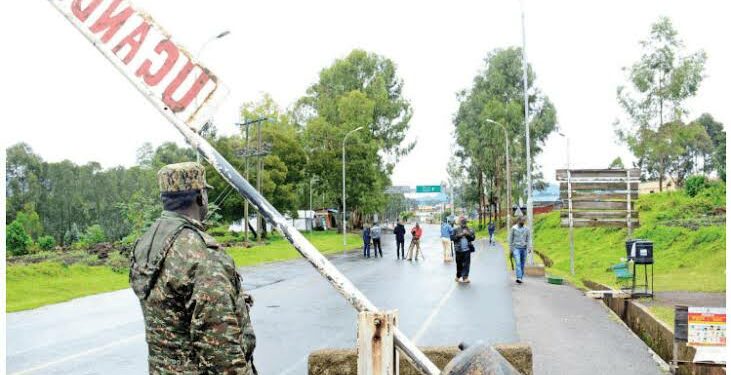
<point x="175" y="215"/>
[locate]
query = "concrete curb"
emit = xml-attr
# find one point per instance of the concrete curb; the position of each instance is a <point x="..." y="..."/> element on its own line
<point x="344" y="361"/>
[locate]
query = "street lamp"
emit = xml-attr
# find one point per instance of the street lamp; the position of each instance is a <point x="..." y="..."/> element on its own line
<point x="527" y="140"/>
<point x="345" y="224"/>
<point x="205" y="44"/>
<point x="571" y="214"/>
<point x="198" y="56"/>
<point x="508" y="206"/>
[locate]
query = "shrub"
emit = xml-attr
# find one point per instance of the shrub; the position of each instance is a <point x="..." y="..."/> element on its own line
<point x="17" y="240"/>
<point x="46" y="242"/>
<point x="72" y="235"/>
<point x="94" y="235"/>
<point x="219" y="231"/>
<point x="118" y="262"/>
<point x="694" y="185"/>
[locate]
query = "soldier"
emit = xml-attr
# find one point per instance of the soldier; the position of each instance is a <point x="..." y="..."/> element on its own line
<point x="196" y="311"/>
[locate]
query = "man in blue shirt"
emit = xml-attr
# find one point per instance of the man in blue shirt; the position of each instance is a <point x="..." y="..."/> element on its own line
<point x="446" y="236"/>
<point x="519" y="239"/>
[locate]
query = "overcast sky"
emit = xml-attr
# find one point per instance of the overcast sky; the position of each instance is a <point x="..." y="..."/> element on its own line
<point x="64" y="99"/>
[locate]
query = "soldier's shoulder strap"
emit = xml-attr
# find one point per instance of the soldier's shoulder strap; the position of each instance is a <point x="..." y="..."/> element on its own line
<point x="150" y="253"/>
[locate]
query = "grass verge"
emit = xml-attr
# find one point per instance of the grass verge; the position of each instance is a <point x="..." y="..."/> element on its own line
<point x="35" y="285"/>
<point x="38" y="284"/>
<point x="279" y="249"/>
<point x="686" y="258"/>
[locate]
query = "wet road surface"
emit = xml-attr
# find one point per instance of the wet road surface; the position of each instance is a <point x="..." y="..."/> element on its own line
<point x="295" y="312"/>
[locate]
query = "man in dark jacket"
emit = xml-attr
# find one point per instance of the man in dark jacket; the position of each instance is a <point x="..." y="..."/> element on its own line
<point x="400" y="232"/>
<point x="462" y="238"/>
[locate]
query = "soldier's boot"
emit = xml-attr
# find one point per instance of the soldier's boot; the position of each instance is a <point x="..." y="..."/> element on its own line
<point x="479" y="359"/>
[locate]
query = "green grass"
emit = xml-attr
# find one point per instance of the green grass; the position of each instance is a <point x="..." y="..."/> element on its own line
<point x="279" y="249"/>
<point x="665" y="314"/>
<point x="51" y="281"/>
<point x="685" y="259"/>
<point x="35" y="285"/>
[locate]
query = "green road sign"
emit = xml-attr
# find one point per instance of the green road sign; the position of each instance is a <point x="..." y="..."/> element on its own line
<point x="428" y="188"/>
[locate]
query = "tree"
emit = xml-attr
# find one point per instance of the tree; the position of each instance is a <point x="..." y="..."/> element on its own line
<point x="616" y="163"/>
<point x="693" y="143"/>
<point x="716" y="159"/>
<point x="658" y="85"/>
<point x="30" y="221"/>
<point x="362" y="89"/>
<point x="497" y="94"/>
<point x="170" y="153"/>
<point x="23" y="178"/>
<point x="17" y="240"/>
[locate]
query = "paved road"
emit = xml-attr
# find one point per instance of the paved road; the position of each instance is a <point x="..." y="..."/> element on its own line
<point x="571" y="334"/>
<point x="295" y="312"/>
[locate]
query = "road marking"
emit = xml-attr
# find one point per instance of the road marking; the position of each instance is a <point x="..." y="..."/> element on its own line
<point x="415" y="339"/>
<point x="79" y="355"/>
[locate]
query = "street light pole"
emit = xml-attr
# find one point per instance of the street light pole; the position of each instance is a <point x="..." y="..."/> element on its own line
<point x="508" y="186"/>
<point x="345" y="223"/>
<point x="198" y="56"/>
<point x="527" y="142"/>
<point x="571" y="213"/>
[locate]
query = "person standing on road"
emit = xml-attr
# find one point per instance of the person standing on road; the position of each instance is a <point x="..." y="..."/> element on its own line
<point x="491" y="231"/>
<point x="366" y="241"/>
<point x="519" y="239"/>
<point x="195" y="309"/>
<point x="415" y="239"/>
<point x="400" y="232"/>
<point x="376" y="236"/>
<point x="463" y="248"/>
<point x="446" y="234"/>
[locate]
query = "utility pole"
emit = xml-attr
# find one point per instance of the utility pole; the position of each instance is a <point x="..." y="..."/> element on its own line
<point x="246" y="154"/>
<point x="345" y="222"/>
<point x="527" y="142"/>
<point x="258" y="182"/>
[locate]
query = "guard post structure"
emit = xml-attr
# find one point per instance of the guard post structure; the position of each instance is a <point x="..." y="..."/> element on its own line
<point x="376" y="353"/>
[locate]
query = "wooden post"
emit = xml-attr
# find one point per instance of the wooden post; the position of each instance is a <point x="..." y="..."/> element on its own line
<point x="571" y="220"/>
<point x="629" y="206"/>
<point x="376" y="353"/>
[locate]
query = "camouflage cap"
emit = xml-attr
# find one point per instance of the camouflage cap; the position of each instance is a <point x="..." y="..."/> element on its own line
<point x="182" y="177"/>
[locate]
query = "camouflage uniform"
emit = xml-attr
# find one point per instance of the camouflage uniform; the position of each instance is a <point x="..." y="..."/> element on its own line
<point x="196" y="311"/>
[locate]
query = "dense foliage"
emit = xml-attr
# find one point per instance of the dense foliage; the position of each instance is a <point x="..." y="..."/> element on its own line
<point x="360" y="90"/>
<point x="497" y="94"/>
<point x="654" y="100"/>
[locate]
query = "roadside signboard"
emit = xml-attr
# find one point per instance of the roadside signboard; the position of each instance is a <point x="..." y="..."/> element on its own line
<point x="706" y="326"/>
<point x="428" y="189"/>
<point x="398" y="190"/>
<point x="163" y="71"/>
